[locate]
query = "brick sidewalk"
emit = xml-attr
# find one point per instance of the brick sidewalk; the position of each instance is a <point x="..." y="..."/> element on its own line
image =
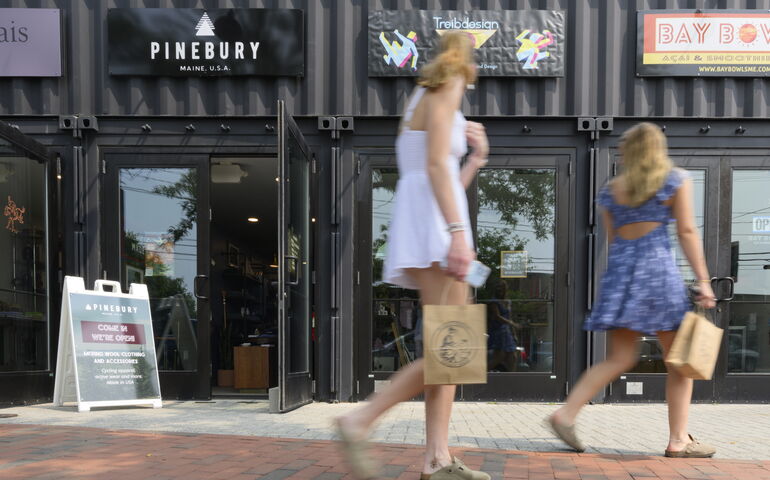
<point x="53" y="452"/>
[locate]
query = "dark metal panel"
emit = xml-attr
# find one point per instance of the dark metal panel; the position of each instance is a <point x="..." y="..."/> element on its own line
<point x="600" y="69"/>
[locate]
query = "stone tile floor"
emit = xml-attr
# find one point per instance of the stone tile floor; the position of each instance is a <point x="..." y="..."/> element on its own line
<point x="738" y="431"/>
<point x="44" y="452"/>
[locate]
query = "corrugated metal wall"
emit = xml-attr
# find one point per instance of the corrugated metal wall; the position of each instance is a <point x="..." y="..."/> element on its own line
<point x="600" y="80"/>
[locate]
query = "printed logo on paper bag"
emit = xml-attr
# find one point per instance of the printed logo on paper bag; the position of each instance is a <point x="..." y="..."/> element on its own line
<point x="453" y="344"/>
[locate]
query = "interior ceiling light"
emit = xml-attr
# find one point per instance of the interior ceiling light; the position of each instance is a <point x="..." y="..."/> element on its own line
<point x="226" y="172"/>
<point x="253" y="219"/>
<point x="276" y="179"/>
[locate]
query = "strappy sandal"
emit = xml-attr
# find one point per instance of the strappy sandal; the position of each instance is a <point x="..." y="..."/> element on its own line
<point x="694" y="449"/>
<point x="456" y="471"/>
<point x="567" y="434"/>
<point x="362" y="466"/>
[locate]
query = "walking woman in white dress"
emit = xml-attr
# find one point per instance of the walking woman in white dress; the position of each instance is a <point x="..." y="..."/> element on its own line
<point x="430" y="224"/>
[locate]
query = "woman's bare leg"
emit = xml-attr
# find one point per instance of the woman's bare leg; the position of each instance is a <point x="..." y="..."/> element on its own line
<point x="622" y="357"/>
<point x="678" y="396"/>
<point x="409" y="382"/>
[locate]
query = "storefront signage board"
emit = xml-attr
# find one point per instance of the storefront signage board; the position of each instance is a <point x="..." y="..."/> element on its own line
<point x="30" y="42"/>
<point x="703" y="43"/>
<point x="106" y="347"/>
<point x="507" y="43"/>
<point x="190" y="42"/>
<point x="513" y="264"/>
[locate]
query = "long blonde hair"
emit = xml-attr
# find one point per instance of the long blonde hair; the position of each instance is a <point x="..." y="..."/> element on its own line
<point x="455" y="57"/>
<point x="645" y="162"/>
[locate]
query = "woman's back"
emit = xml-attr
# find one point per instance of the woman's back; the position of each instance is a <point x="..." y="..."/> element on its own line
<point x="634" y="222"/>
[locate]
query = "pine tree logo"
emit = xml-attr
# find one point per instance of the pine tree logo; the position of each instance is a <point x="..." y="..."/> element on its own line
<point x="205" y="27"/>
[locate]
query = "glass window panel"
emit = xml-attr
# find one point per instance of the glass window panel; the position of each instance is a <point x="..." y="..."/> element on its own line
<point x="23" y="255"/>
<point x="516" y="238"/>
<point x="651" y="359"/>
<point x="749" y="331"/>
<point x="160" y="248"/>
<point x="396" y="314"/>
<point x="297" y="266"/>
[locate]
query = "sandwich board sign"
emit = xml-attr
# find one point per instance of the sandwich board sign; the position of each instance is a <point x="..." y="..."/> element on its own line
<point x="106" y="347"/>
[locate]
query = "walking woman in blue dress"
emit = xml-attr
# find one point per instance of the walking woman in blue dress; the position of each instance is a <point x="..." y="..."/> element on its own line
<point x="642" y="292"/>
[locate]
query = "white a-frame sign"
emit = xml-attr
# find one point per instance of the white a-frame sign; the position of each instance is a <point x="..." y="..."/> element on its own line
<point x="106" y="347"/>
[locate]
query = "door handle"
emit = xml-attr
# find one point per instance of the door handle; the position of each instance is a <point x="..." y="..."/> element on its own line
<point x="196" y="284"/>
<point x="289" y="259"/>
<point x="731" y="282"/>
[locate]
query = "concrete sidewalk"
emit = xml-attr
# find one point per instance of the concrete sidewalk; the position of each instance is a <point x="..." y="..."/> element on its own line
<point x="738" y="431"/>
<point x="48" y="452"/>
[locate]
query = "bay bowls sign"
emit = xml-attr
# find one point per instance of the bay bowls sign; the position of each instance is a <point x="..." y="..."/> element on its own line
<point x="196" y="42"/>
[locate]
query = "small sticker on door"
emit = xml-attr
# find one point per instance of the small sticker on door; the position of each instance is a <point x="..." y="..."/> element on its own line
<point x="634" y="388"/>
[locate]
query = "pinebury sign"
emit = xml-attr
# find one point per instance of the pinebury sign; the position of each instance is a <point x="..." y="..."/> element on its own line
<point x="182" y="42"/>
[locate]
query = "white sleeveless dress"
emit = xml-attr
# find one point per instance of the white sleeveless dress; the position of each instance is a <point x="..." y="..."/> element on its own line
<point x="418" y="235"/>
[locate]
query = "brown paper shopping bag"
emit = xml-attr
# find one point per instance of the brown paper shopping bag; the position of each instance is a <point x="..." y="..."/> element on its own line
<point x="455" y="343"/>
<point x="695" y="349"/>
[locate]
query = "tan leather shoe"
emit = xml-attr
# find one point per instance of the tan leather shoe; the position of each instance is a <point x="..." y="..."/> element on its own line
<point x="567" y="434"/>
<point x="356" y="452"/>
<point x="456" y="471"/>
<point x="694" y="449"/>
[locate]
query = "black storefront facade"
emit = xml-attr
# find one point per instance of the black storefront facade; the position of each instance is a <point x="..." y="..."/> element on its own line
<point x="256" y="205"/>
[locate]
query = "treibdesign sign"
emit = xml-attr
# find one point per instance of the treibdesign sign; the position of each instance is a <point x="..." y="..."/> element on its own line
<point x="30" y="42"/>
<point x="717" y="43"/>
<point x="195" y="42"/>
<point x="507" y="43"/>
<point x="106" y="347"/>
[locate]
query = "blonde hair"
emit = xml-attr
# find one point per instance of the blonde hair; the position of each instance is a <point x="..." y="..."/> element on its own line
<point x="455" y="57"/>
<point x="645" y="162"/>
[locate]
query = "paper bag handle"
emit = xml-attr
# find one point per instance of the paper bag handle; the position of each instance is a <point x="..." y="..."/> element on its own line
<point x="445" y="291"/>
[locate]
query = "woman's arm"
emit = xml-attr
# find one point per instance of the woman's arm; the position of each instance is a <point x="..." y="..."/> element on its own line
<point x="477" y="140"/>
<point x="443" y="103"/>
<point x="689" y="239"/>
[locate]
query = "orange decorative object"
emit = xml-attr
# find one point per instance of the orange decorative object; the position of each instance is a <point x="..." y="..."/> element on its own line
<point x="14" y="214"/>
<point x="748" y="33"/>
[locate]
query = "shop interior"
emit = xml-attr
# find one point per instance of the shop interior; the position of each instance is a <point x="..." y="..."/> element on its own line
<point x="244" y="275"/>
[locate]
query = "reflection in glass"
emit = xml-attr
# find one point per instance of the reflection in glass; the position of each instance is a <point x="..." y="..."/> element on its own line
<point x="23" y="255"/>
<point x="651" y="357"/>
<point x="395" y="311"/>
<point x="516" y="229"/>
<point x="297" y="265"/>
<point x="748" y="336"/>
<point x="159" y="248"/>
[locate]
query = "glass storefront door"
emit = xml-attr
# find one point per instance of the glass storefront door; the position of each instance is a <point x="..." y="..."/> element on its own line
<point x="646" y="381"/>
<point x="522" y="233"/>
<point x="294" y="288"/>
<point x="745" y="256"/>
<point x="518" y="206"/>
<point x="26" y="282"/>
<point x="732" y="212"/>
<point x="156" y="222"/>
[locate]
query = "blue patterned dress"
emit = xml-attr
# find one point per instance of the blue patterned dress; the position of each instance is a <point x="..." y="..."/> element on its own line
<point x="642" y="289"/>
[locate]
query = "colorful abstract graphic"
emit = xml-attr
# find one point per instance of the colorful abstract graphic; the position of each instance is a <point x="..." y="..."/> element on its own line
<point x="14" y="214"/>
<point x="400" y="53"/>
<point x="478" y="37"/>
<point x="529" y="51"/>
